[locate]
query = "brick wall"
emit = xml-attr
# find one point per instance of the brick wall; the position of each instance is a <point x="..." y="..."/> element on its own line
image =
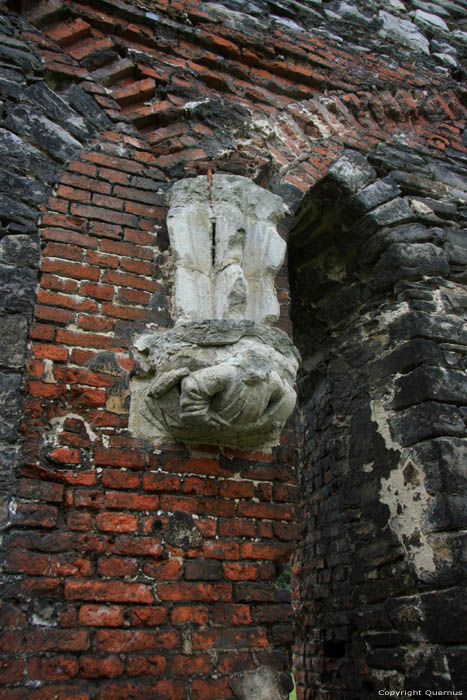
<point x="142" y="570"/>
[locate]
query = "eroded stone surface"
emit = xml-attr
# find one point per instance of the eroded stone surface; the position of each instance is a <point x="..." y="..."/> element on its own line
<point x="226" y="248"/>
<point x="222" y="382"/>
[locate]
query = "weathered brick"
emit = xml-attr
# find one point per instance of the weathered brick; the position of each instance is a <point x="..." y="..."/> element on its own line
<point x="114" y="591"/>
<point x="136" y="640"/>
<point x="117" y="522"/>
<point x="203" y="592"/>
<point x="101" y="615"/>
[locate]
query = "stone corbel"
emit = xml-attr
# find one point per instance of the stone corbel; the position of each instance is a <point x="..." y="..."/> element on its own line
<point x="223" y="375"/>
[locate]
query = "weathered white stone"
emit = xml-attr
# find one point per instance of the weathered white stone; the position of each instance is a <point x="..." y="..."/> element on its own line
<point x="402" y="32"/>
<point x="431" y="7"/>
<point x="395" y="4"/>
<point x="221" y="382"/>
<point x="260" y="684"/>
<point x="427" y="18"/>
<point x="226" y="248"/>
<point x="352" y="13"/>
<point x="460" y="36"/>
<point x="447" y="59"/>
<point x="222" y="375"/>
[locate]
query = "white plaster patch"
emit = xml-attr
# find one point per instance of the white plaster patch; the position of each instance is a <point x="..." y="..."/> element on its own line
<point x="405" y="494"/>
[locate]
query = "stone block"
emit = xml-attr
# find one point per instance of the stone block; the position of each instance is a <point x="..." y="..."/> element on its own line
<point x="430" y="384"/>
<point x="11" y="399"/>
<point x="351" y="172"/>
<point x="409" y="262"/>
<point x="26" y="121"/>
<point x="13" y="340"/>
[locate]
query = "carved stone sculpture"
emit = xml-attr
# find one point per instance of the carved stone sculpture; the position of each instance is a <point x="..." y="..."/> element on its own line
<point x="222" y="375"/>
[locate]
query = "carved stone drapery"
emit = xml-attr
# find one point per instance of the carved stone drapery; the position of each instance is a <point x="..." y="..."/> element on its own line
<point x="222" y="375"/>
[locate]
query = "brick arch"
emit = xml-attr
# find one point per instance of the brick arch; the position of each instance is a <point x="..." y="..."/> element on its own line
<point x="134" y="569"/>
<point x="374" y="283"/>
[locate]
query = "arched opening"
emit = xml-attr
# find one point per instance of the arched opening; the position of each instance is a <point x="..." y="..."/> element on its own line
<point x="368" y="260"/>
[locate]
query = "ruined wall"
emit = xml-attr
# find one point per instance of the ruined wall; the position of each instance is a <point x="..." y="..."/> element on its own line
<point x="136" y="569"/>
<point x="379" y="308"/>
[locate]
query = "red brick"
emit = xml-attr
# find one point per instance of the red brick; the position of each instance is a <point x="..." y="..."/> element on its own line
<point x="197" y="615"/>
<point x="126" y="279"/>
<point x="123" y="312"/>
<point x="41" y="331"/>
<point x="11" y="616"/>
<point x="50" y="352"/>
<point x="101" y="615"/>
<point x="114" y="457"/>
<point x="82" y="522"/>
<point x="114" y="176"/>
<point x="240" y="572"/>
<point x="171" y="569"/>
<point x="148" y="616"/>
<point x="92" y="340"/>
<point x="70" y="269"/>
<point x="138" y="236"/>
<point x="48" y="391"/>
<point x="49" y="639"/>
<point x="114" y="591"/>
<point x="11" y="671"/>
<point x="100" y="667"/>
<point x="69" y="302"/>
<point x="146" y="665"/>
<point x="30" y="563"/>
<point x="203" y="592"/>
<point x="115" y="566"/>
<point x="137" y="546"/>
<point x="237" y="528"/>
<point x="135" y="92"/>
<point x="273" y="552"/>
<point x="117" y="522"/>
<point x="270" y="511"/>
<point x="56" y="668"/>
<point x="102" y="260"/>
<point x="58" y="283"/>
<point x="69" y="32"/>
<point x="123" y="479"/>
<point x="73" y="194"/>
<point x="156" y="481"/>
<point x="99" y="228"/>
<point x="113" y="162"/>
<point x="74" y="223"/>
<point x="48" y="313"/>
<point x="87" y="397"/>
<point x="184" y="665"/>
<point x="95" y="323"/>
<point x="215" y="549"/>
<point x="42" y="490"/>
<point x="77" y="375"/>
<point x="103" y="292"/>
<point x="60" y="235"/>
<point x="133" y="296"/>
<point x="11" y="642"/>
<point x="33" y="515"/>
<point x="63" y="455"/>
<point x="136" y="640"/>
<point x="208" y="467"/>
<point x="110" y="216"/>
<point x="210" y="689"/>
<point x="86" y="183"/>
<point x="236" y="489"/>
<point x="186" y="504"/>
